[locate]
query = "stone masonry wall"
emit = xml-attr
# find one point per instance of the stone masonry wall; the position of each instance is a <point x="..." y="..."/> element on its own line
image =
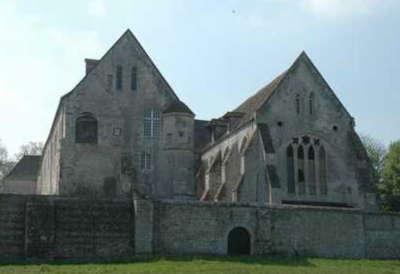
<point x="203" y="228"/>
<point x="54" y="227"/>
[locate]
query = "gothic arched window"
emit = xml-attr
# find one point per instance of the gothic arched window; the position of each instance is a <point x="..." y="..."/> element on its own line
<point x="311" y="103"/>
<point x="297" y="103"/>
<point x="86" y="129"/>
<point x="151" y="123"/>
<point x="300" y="170"/>
<point x="311" y="170"/>
<point x="322" y="171"/>
<point x="290" y="170"/>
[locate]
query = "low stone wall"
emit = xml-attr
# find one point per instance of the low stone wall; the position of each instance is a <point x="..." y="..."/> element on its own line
<point x="54" y="227"/>
<point x="203" y="228"/>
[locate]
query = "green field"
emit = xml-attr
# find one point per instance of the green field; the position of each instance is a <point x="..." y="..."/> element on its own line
<point x="212" y="265"/>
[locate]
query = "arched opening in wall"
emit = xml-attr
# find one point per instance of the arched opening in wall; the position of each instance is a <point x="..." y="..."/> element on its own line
<point x="311" y="170"/>
<point x="290" y="170"/>
<point x="300" y="170"/>
<point x="239" y="242"/>
<point x="86" y="129"/>
<point x="322" y="171"/>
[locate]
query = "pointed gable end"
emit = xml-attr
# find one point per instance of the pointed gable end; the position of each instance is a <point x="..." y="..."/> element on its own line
<point x="258" y="100"/>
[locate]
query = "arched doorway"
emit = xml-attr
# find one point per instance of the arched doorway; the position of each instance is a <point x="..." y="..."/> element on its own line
<point x="239" y="242"/>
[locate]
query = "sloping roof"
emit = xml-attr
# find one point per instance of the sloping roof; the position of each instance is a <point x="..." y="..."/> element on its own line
<point x="253" y="103"/>
<point x="178" y="106"/>
<point x="26" y="169"/>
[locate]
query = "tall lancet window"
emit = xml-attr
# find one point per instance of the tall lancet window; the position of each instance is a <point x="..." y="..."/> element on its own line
<point x="290" y="170"/>
<point x="322" y="171"/>
<point x="297" y="103"/>
<point x="311" y="171"/>
<point x="311" y="103"/>
<point x="300" y="170"/>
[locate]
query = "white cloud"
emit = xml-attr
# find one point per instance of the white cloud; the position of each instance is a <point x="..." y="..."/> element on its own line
<point x="97" y="8"/>
<point x="341" y="8"/>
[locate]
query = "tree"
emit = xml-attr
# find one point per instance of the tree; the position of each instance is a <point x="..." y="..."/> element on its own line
<point x="5" y="163"/>
<point x="390" y="185"/>
<point x="376" y="151"/>
<point x="32" y="148"/>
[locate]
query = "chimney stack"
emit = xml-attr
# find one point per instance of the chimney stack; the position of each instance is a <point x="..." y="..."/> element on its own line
<point x="90" y="64"/>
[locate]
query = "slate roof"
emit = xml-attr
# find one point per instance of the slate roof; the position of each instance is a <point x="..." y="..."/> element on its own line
<point x="26" y="169"/>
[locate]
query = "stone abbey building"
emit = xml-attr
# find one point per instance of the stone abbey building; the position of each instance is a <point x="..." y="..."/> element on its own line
<point x="284" y="172"/>
<point x="123" y="128"/>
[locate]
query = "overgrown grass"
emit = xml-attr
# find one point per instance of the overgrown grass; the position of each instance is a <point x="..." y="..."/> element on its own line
<point x="231" y="265"/>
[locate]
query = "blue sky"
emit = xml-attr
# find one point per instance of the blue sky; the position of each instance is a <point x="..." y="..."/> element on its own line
<point x="213" y="53"/>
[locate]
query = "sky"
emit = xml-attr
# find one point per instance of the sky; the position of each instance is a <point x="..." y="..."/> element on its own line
<point x="214" y="53"/>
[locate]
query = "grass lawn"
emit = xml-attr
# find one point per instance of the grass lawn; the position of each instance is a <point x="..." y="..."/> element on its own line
<point x="216" y="265"/>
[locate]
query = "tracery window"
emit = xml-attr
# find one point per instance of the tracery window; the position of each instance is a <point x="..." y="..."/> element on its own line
<point x="306" y="166"/>
<point x="86" y="129"/>
<point x="151" y="123"/>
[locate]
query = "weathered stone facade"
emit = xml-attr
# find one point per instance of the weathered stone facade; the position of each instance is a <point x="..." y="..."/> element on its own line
<point x="285" y="172"/>
<point x="292" y="142"/>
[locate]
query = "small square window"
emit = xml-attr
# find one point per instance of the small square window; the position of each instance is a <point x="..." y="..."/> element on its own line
<point x="117" y="131"/>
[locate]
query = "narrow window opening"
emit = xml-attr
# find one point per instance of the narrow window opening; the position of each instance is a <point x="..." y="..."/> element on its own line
<point x="311" y="103"/>
<point x="133" y="78"/>
<point x="311" y="170"/>
<point x="298" y="104"/>
<point x="119" y="78"/>
<point x="300" y="172"/>
<point x="145" y="160"/>
<point x="290" y="170"/>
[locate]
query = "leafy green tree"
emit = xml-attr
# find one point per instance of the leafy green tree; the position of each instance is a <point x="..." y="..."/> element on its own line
<point x="376" y="151"/>
<point x="390" y="185"/>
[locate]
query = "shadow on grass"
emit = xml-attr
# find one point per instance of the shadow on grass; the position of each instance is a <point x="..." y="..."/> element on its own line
<point x="270" y="260"/>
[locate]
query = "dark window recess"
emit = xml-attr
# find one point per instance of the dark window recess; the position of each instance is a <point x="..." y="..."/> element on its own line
<point x="280" y="123"/>
<point x="86" y="129"/>
<point x="335" y="128"/>
<point x="311" y="103"/>
<point x="118" y="82"/>
<point x="290" y="170"/>
<point x="298" y="104"/>
<point x="181" y="134"/>
<point x="273" y="176"/>
<point x="110" y="187"/>
<point x="133" y="78"/>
